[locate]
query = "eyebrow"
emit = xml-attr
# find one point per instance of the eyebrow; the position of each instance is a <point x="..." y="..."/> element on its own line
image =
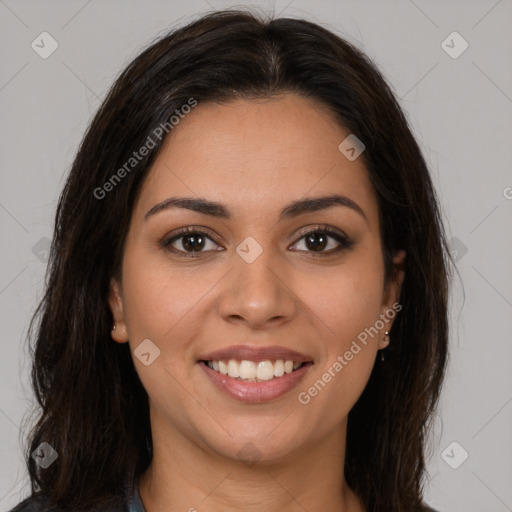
<point x="220" y="210"/>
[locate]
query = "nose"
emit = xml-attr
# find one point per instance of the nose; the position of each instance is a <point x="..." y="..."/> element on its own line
<point x="258" y="294"/>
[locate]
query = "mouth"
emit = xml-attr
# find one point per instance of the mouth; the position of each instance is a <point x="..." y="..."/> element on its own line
<point x="257" y="380"/>
<point x="255" y="371"/>
<point x="255" y="374"/>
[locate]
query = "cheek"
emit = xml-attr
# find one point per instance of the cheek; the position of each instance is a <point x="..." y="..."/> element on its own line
<point x="160" y="299"/>
<point x="347" y="298"/>
<point x="163" y="305"/>
<point x="348" y="303"/>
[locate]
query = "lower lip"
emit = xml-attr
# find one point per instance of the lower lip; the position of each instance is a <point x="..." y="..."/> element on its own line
<point x="256" y="392"/>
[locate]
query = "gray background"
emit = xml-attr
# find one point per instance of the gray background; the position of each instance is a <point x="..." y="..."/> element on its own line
<point x="461" y="112"/>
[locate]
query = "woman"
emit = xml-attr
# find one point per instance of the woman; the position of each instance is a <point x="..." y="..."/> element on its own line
<point x="247" y="298"/>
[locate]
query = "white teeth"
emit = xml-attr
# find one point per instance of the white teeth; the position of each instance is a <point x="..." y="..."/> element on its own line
<point x="247" y="370"/>
<point x="265" y="370"/>
<point x="254" y="371"/>
<point x="279" y="368"/>
<point x="233" y="368"/>
<point x="223" y="368"/>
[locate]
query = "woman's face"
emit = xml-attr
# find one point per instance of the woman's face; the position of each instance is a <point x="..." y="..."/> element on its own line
<point x="254" y="280"/>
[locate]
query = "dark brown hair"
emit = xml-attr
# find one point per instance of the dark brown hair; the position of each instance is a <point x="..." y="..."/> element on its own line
<point x="93" y="408"/>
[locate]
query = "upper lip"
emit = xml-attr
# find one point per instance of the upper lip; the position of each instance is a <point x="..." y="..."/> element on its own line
<point x="241" y="352"/>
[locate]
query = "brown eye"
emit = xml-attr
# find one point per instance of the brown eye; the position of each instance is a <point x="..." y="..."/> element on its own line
<point x="188" y="241"/>
<point x="318" y="241"/>
<point x="193" y="242"/>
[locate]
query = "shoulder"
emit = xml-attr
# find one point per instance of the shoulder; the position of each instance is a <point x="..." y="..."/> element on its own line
<point x="38" y="504"/>
<point x="426" y="508"/>
<point x="30" y="504"/>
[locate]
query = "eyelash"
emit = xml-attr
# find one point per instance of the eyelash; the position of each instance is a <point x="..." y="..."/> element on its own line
<point x="343" y="240"/>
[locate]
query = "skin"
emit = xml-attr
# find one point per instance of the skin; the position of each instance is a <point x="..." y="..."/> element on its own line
<point x="255" y="157"/>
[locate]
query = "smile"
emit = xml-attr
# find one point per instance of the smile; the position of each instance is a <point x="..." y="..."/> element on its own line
<point x="254" y="371"/>
<point x="246" y="383"/>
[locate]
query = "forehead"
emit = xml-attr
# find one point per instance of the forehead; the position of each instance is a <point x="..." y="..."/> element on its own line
<point x="257" y="155"/>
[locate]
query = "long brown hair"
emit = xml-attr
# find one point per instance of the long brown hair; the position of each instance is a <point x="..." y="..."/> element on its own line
<point x="93" y="407"/>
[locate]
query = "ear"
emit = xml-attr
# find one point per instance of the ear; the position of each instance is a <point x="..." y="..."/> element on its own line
<point x="120" y="333"/>
<point x="390" y="304"/>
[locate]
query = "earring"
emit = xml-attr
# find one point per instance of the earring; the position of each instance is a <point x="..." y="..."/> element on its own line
<point x="114" y="327"/>
<point x="386" y="334"/>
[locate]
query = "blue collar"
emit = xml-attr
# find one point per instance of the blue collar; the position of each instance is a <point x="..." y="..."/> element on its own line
<point x="135" y="503"/>
<point x="133" y="499"/>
